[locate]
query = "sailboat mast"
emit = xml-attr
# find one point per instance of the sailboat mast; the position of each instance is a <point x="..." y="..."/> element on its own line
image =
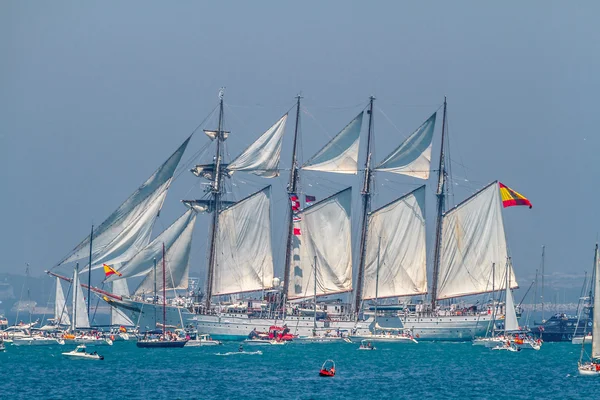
<point x="441" y="189"/>
<point x="90" y="271"/>
<point x="315" y="300"/>
<point x="292" y="187"/>
<point x="366" y="193"/>
<point x="74" y="284"/>
<point x="216" y="193"/>
<point x="377" y="281"/>
<point x="543" y="262"/>
<point x="164" y="271"/>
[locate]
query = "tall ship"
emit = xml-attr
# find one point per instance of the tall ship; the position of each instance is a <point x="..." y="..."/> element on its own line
<point x="241" y="291"/>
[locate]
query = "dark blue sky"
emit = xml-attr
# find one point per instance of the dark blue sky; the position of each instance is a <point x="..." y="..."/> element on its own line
<point x="95" y="95"/>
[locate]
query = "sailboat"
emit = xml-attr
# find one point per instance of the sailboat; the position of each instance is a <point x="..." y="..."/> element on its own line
<point x="164" y="339"/>
<point x="61" y="319"/>
<point x="592" y="367"/>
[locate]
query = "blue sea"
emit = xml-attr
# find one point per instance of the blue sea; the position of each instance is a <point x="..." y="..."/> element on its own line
<point x="393" y="371"/>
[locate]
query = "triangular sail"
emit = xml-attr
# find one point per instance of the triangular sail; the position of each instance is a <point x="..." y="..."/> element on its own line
<point x="413" y="156"/>
<point x="473" y="241"/>
<point x="244" y="259"/>
<point x="61" y="314"/>
<point x="117" y="316"/>
<point x="177" y="263"/>
<point x="177" y="241"/>
<point x="128" y="229"/>
<point x="340" y="155"/>
<point x="596" y="311"/>
<point x="323" y="231"/>
<point x="397" y="232"/>
<point x="510" y="315"/>
<point x="262" y="157"/>
<point x="81" y="320"/>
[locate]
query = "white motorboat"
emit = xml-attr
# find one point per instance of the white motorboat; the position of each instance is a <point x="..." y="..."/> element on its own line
<point x="37" y="341"/>
<point x="90" y="340"/>
<point x="366" y="345"/>
<point x="202" y="340"/>
<point x="80" y="353"/>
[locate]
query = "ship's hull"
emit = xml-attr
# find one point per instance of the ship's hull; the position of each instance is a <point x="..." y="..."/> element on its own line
<point x="239" y="326"/>
<point x="147" y="315"/>
<point x="447" y="328"/>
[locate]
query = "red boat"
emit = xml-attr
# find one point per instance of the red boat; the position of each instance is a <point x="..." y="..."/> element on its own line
<point x="328" y="369"/>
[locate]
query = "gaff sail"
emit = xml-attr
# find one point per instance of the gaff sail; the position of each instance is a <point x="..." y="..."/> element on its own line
<point x="396" y="232"/>
<point x="322" y="231"/>
<point x="473" y="241"/>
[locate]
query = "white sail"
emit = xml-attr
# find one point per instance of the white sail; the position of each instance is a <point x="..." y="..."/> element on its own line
<point x="61" y="313"/>
<point x="397" y="232"/>
<point x="596" y="311"/>
<point x="325" y="233"/>
<point x="473" y="241"/>
<point x="177" y="241"/>
<point x="510" y="315"/>
<point x="413" y="156"/>
<point x="177" y="263"/>
<point x="340" y="155"/>
<point x="127" y="230"/>
<point x="262" y="157"/>
<point x="117" y="316"/>
<point x="244" y="259"/>
<point x="81" y="319"/>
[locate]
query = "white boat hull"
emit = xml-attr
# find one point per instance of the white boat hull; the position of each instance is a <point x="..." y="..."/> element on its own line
<point x="588" y="370"/>
<point x="200" y="343"/>
<point x="446" y="327"/>
<point x="37" y="341"/>
<point x="385" y="338"/>
<point x="579" y="340"/>
<point x="258" y="342"/>
<point x="91" y="341"/>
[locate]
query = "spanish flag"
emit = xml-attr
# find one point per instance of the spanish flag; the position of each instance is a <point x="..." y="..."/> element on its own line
<point x="108" y="271"/>
<point x="511" y="198"/>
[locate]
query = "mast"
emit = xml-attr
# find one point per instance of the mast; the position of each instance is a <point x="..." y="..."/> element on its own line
<point x="164" y="291"/>
<point x="440" y="211"/>
<point x="543" y="261"/>
<point x="90" y="271"/>
<point x="216" y="193"/>
<point x="292" y="187"/>
<point x="494" y="303"/>
<point x="592" y="286"/>
<point x="377" y="281"/>
<point x="155" y="298"/>
<point x="75" y="283"/>
<point x="366" y="193"/>
<point x="315" y="300"/>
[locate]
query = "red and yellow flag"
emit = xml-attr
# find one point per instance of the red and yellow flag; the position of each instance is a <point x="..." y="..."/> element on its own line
<point x="511" y="198"/>
<point x="108" y="271"/>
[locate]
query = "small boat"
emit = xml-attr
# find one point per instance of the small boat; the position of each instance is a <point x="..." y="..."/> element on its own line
<point x="366" y="345"/>
<point x="80" y="353"/>
<point x="202" y="340"/>
<point x="150" y="341"/>
<point x="37" y="341"/>
<point x="327" y="369"/>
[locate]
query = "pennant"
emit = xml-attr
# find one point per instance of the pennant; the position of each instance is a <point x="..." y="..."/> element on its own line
<point x="309" y="199"/>
<point x="297" y="231"/>
<point x="295" y="202"/>
<point x="511" y="198"/>
<point x="108" y="271"/>
<point x="297" y="218"/>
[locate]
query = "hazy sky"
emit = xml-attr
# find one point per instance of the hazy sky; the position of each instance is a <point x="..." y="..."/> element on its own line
<point x="95" y="95"/>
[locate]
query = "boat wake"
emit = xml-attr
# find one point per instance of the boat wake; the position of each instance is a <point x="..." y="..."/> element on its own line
<point x="231" y="353"/>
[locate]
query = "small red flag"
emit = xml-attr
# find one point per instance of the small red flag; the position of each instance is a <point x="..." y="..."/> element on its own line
<point x="297" y="231"/>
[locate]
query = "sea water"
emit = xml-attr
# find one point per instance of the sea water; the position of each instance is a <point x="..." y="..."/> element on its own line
<point x="427" y="370"/>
